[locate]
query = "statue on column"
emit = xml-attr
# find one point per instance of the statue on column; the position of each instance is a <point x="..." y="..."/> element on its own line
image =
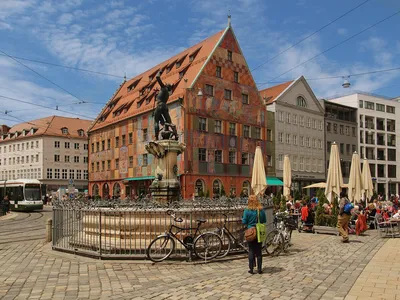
<point x="161" y="113"/>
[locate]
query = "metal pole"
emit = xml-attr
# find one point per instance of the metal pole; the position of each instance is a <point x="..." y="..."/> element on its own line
<point x="100" y="234"/>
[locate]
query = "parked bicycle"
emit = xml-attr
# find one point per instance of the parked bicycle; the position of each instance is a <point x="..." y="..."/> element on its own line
<point x="279" y="239"/>
<point x="205" y="245"/>
<point x="229" y="240"/>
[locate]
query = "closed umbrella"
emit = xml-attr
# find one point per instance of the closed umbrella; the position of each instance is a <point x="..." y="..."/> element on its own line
<point x="258" y="179"/>
<point x="355" y="183"/>
<point x="367" y="185"/>
<point x="287" y="177"/>
<point x="334" y="181"/>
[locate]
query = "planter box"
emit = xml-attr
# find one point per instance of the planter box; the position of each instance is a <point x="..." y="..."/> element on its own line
<point x="326" y="229"/>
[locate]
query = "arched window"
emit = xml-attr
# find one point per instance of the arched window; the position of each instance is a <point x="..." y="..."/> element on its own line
<point x="301" y="101"/>
<point x="199" y="187"/>
<point x="106" y="190"/>
<point x="217" y="187"/>
<point x="117" y="190"/>
<point x="95" y="190"/>
<point x="246" y="188"/>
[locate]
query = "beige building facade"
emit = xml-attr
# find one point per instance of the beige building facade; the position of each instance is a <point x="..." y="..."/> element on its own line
<point x="299" y="131"/>
<point x="53" y="150"/>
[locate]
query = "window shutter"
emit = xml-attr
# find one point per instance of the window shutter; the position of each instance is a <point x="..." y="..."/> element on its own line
<point x="195" y="154"/>
<point x="211" y="126"/>
<point x="195" y="123"/>
<point x="252" y="132"/>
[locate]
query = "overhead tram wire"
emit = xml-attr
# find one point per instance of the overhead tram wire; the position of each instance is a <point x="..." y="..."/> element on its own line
<point x="40" y="75"/>
<point x="63" y="66"/>
<point x="310" y="35"/>
<point x="43" y="106"/>
<point x="332" y="47"/>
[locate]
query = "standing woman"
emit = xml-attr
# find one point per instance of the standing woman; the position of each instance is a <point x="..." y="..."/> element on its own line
<point x="250" y="217"/>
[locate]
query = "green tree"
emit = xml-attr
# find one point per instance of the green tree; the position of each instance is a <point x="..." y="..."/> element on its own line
<point x="283" y="203"/>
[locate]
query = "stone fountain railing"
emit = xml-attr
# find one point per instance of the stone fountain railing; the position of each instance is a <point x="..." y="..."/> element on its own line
<point x="124" y="228"/>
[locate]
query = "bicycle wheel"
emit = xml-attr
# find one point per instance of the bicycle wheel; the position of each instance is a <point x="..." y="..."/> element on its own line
<point x="274" y="243"/>
<point x="207" y="245"/>
<point x="160" y="248"/>
<point x="226" y="243"/>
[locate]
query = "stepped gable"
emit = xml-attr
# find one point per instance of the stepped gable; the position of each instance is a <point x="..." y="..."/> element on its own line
<point x="270" y="94"/>
<point x="136" y="96"/>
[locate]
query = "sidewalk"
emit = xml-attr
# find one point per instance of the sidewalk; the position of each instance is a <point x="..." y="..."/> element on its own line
<point x="381" y="277"/>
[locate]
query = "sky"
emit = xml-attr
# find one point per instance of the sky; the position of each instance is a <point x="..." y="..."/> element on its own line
<point x="120" y="37"/>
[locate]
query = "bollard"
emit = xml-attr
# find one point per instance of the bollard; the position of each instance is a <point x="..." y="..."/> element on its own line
<point x="49" y="225"/>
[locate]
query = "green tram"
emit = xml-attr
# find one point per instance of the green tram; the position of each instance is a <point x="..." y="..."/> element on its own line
<point x="23" y="194"/>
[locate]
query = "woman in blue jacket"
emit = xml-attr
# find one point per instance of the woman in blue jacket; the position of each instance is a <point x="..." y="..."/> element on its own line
<point x="250" y="216"/>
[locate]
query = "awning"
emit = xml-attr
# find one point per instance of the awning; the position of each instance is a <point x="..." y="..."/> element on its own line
<point x="139" y="178"/>
<point x="273" y="181"/>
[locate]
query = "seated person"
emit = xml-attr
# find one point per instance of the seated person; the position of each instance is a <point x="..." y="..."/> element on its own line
<point x="396" y="215"/>
<point x="327" y="209"/>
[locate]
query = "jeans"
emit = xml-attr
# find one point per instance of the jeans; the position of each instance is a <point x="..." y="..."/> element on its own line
<point x="255" y="252"/>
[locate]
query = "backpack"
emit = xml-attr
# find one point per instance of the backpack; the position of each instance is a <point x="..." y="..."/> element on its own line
<point x="347" y="208"/>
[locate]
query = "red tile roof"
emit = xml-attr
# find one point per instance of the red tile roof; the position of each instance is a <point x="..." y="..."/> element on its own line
<point x="270" y="94"/>
<point x="49" y="126"/>
<point x="136" y="95"/>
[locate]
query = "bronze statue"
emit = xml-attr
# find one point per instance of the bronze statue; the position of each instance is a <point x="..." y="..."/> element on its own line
<point x="161" y="113"/>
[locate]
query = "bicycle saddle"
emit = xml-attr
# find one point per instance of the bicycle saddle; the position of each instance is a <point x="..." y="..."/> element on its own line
<point x="201" y="220"/>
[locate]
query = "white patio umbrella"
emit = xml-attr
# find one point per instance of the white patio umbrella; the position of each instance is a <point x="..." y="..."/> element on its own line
<point x="334" y="182"/>
<point x="258" y="178"/>
<point x="287" y="177"/>
<point x="355" y="183"/>
<point x="367" y="186"/>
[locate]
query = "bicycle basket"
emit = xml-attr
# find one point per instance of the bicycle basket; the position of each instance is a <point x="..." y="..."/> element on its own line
<point x="290" y="223"/>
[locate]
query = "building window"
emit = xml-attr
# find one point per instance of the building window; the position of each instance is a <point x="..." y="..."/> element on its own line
<point x="92" y="166"/>
<point x="218" y="126"/>
<point x="301" y="165"/>
<point x="228" y="94"/>
<point x="280" y="161"/>
<point x="369" y="105"/>
<point x="66" y="145"/>
<point x="92" y="147"/>
<point x="232" y="128"/>
<point x="235" y="76"/>
<point x="308" y="142"/>
<point x="130" y="161"/>
<point x="218" y="72"/>
<point x="245" y="99"/>
<point x="64" y="130"/>
<point x="301" y="101"/>
<point x="76" y="159"/>
<point x="81" y="132"/>
<point x="280" y="137"/>
<point x="97" y="146"/>
<point x="65" y="174"/>
<point x="145" y="134"/>
<point x="257" y="133"/>
<point x="202" y="124"/>
<point x="97" y="166"/>
<point x="287" y="138"/>
<point x="390" y="110"/>
<point x="79" y="174"/>
<point x="347" y="130"/>
<point x="294" y="139"/>
<point x="66" y="158"/>
<point x="117" y="142"/>
<point x="288" y="118"/>
<point x="202" y="154"/>
<point x="117" y="164"/>
<point x="245" y="158"/>
<point x="341" y="148"/>
<point x="315" y="124"/>
<point x="49" y="173"/>
<point x="348" y="149"/>
<point x="218" y="156"/>
<point x="232" y="157"/>
<point x="280" y="116"/>
<point x="301" y="121"/>
<point x="85" y="160"/>
<point x="309" y="122"/>
<point x="246" y="131"/>
<point x="229" y="55"/>
<point x="123" y="140"/>
<point x="360" y="104"/>
<point x="56" y="144"/>
<point x="380" y="107"/>
<point x="341" y="129"/>
<point x="56" y="157"/>
<point x="269" y="160"/>
<point x="37" y="144"/>
<point x="85" y="174"/>
<point x="108" y="164"/>
<point x="57" y="173"/>
<point x="37" y="158"/>
<point x="76" y="146"/>
<point x="71" y="174"/>
<point x="130" y="138"/>
<point x="145" y="161"/>
<point x="294" y="119"/>
<point x="269" y="135"/>
<point x="209" y="90"/>
<point x="335" y="128"/>
<point x="319" y="144"/>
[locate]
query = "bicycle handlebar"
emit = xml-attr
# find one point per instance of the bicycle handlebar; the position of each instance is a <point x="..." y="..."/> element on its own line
<point x="173" y="216"/>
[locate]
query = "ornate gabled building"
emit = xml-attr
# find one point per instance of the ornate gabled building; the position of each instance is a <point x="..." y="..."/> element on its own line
<point x="218" y="113"/>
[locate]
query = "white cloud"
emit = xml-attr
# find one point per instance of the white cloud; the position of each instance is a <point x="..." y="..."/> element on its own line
<point x="65" y="19"/>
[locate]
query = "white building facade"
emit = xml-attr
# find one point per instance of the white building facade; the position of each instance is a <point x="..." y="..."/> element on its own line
<point x="378" y="129"/>
<point x="53" y="150"/>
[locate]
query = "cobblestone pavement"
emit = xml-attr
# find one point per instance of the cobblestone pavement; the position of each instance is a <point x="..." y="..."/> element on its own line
<point x="381" y="277"/>
<point x="317" y="267"/>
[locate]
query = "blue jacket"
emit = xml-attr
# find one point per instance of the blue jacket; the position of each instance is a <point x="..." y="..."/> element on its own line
<point x="250" y="217"/>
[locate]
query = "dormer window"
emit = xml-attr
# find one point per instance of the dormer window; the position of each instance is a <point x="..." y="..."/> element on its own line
<point x="81" y="132"/>
<point x="23" y="132"/>
<point x="64" y="130"/>
<point x="150" y="78"/>
<point x="178" y="64"/>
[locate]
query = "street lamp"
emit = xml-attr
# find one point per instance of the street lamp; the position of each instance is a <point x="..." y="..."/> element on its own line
<point x="346" y="84"/>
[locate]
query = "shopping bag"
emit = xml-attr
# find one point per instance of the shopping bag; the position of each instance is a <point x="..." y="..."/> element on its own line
<point x="261" y="230"/>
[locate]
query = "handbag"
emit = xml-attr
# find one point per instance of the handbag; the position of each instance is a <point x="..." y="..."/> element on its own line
<point x="250" y="234"/>
<point x="261" y="229"/>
